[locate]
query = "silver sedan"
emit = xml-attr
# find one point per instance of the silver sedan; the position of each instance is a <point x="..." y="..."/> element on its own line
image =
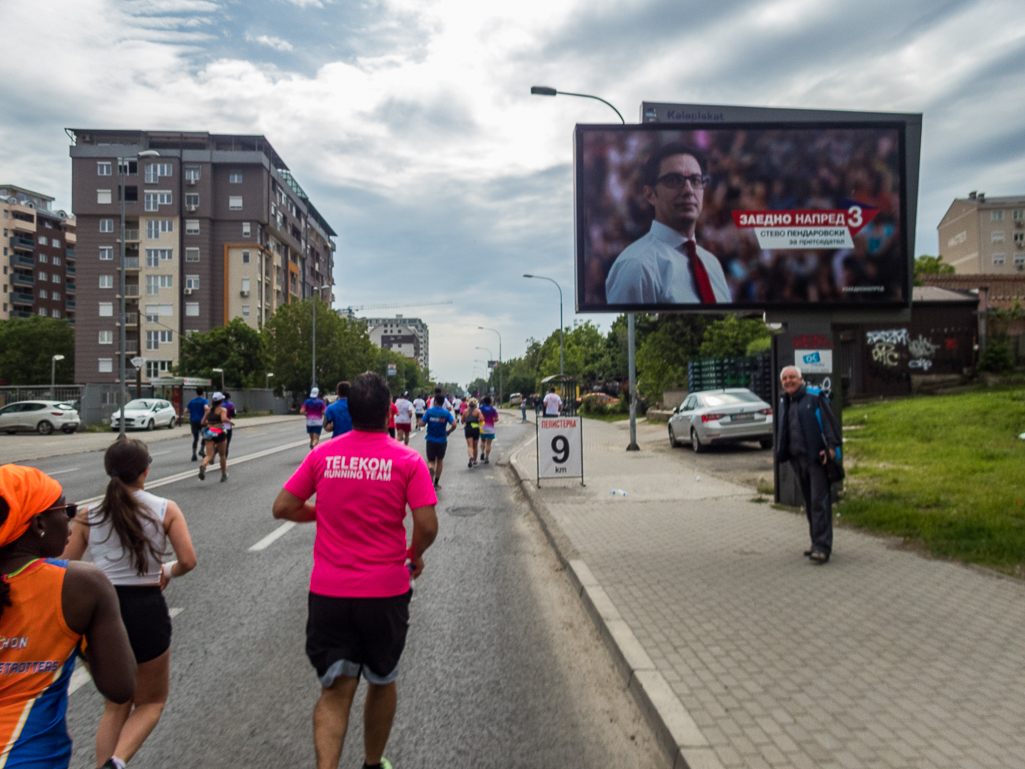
<point x="721" y="416"/>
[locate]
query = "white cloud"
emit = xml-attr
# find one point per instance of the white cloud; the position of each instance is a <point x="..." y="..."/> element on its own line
<point x="277" y="43"/>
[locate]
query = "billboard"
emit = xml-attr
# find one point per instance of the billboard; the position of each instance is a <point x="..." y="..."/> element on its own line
<point x="745" y="214"/>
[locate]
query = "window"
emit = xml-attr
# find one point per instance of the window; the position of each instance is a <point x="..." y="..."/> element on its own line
<point x="103" y="169"/>
<point x="192" y="281"/>
<point x="56" y="296"/>
<point x="192" y="173"/>
<point x="106" y="281"/>
<point x="155" y="368"/>
<point x="1019" y="258"/>
<point x="246" y="230"/>
<point x="106" y="365"/>
<point x="235" y="178"/>
<point x="191" y="201"/>
<point x="156" y="227"/>
<point x="1019" y="214"/>
<point x="42" y="258"/>
<point x="155" y="170"/>
<point x="1019" y="239"/>
<point x="42" y="311"/>
<point x="192" y="309"/>
<point x="57" y="260"/>
<point x="996" y="216"/>
<point x="151" y="340"/>
<point x="106" y="309"/>
<point x="191" y="254"/>
<point x="245" y="285"/>
<point x="245" y="311"/>
<point x="131" y="194"/>
<point x="999" y="258"/>
<point x="156" y="282"/>
<point x="245" y="257"/>
<point x="43" y="294"/>
<point x="103" y="197"/>
<point x="235" y="203"/>
<point x="155" y="311"/>
<point x="55" y="278"/>
<point x="165" y="337"/>
<point x="156" y="255"/>
<point x="42" y="276"/>
<point x="997" y="236"/>
<point x="42" y="240"/>
<point x="192" y="226"/>
<point x="55" y="313"/>
<point x="106" y="225"/>
<point x="106" y="337"/>
<point x="128" y="167"/>
<point x="106" y="253"/>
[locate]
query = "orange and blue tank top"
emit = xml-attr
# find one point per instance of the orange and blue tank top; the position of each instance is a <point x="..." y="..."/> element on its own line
<point x="37" y="657"/>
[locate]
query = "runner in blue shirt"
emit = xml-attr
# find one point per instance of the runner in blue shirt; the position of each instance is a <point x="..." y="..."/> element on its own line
<point x="337" y="414"/>
<point x="197" y="408"/>
<point x="437" y="420"/>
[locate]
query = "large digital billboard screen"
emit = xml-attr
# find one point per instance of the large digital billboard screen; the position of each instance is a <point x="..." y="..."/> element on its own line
<point x="745" y="216"/>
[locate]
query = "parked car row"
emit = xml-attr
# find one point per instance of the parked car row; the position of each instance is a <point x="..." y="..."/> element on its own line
<point x="721" y="416"/>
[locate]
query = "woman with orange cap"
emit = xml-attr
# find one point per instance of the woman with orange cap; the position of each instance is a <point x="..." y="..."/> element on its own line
<point x="46" y="607"/>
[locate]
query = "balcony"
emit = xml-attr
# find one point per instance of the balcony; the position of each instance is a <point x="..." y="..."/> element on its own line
<point x="70" y="237"/>
<point x="69" y="253"/>
<point x="131" y="262"/>
<point x="17" y="241"/>
<point x="20" y="225"/>
<point x="131" y="319"/>
<point x="20" y="314"/>
<point x="132" y="346"/>
<point x="20" y="279"/>
<point x="69" y="269"/>
<point x="20" y="297"/>
<point x="20" y="260"/>
<point x="69" y="304"/>
<point x="69" y="287"/>
<point x="132" y="290"/>
<point x="131" y="236"/>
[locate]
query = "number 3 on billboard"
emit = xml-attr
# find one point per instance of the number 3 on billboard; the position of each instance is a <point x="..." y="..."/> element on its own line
<point x="560" y="445"/>
<point x="854" y="212"/>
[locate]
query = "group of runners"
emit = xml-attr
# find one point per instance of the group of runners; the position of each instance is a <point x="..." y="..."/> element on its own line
<point x="212" y="422"/>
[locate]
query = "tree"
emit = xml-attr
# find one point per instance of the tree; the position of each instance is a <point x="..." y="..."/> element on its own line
<point x="27" y="346"/>
<point x="670" y="342"/>
<point x="730" y="337"/>
<point x="237" y="348"/>
<point x="408" y="377"/>
<point x="931" y="265"/>
<point x="344" y="349"/>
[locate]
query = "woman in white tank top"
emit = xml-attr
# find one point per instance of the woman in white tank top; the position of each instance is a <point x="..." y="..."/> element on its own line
<point x="128" y="536"/>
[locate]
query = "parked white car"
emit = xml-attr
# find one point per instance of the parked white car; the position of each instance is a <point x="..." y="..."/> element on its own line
<point x="42" y="417"/>
<point x="721" y="416"/>
<point x="145" y="414"/>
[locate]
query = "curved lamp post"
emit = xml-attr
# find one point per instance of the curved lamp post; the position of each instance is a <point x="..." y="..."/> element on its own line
<point x="561" y="359"/>
<point x="485" y="328"/>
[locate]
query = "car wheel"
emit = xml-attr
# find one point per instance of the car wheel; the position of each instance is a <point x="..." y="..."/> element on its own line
<point x="44" y="428"/>
<point x="170" y="425"/>
<point x="672" y="438"/>
<point x="765" y="443"/>
<point x="150" y="425"/>
<point x="695" y="442"/>
<point x="68" y="430"/>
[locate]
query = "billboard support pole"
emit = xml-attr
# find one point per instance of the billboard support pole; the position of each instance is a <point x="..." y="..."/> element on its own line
<point x="631" y="365"/>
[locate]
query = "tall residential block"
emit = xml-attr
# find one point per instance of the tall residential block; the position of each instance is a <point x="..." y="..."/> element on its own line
<point x="216" y="228"/>
<point x="39" y="256"/>
<point x="984" y="236"/>
<point x="404" y="335"/>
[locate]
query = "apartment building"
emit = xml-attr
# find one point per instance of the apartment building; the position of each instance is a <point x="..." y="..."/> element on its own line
<point x="38" y="258"/>
<point x="404" y="335"/>
<point x="984" y="236"/>
<point x="216" y="228"/>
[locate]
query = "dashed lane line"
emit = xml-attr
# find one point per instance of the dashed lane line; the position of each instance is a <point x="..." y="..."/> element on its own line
<point x="192" y="473"/>
<point x="69" y="470"/>
<point x="273" y="537"/>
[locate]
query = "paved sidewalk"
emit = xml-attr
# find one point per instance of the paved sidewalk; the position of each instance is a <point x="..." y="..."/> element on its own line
<point x="881" y="658"/>
<point x="28" y="447"/>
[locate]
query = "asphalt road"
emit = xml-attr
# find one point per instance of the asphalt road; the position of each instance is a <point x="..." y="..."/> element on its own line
<point x="502" y="667"/>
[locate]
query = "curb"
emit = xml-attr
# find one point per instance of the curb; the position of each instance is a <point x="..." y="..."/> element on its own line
<point x="678" y="736"/>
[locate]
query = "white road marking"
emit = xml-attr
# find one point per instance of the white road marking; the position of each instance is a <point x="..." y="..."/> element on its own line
<point x="69" y="470"/>
<point x="192" y="473"/>
<point x="158" y="453"/>
<point x="81" y="676"/>
<point x="273" y="537"/>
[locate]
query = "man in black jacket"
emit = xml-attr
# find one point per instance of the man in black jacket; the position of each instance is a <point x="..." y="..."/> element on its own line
<point x="805" y="431"/>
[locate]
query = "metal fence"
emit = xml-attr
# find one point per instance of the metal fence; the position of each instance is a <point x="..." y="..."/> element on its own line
<point x="64" y="393"/>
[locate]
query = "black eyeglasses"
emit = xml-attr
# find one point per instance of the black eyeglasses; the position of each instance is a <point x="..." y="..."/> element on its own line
<point x="676" y="181"/>
<point x="70" y="510"/>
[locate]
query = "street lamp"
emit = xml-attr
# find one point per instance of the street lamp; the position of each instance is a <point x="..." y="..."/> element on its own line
<point x="543" y="90"/>
<point x="562" y="371"/>
<point x="222" y="377"/>
<point x="122" y="166"/>
<point x="490" y="371"/>
<point x="316" y="293"/>
<point x="53" y="375"/>
<point x="485" y="328"/>
<point x="267" y="385"/>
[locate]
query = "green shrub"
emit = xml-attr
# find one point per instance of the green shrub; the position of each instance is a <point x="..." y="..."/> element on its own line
<point x="997" y="357"/>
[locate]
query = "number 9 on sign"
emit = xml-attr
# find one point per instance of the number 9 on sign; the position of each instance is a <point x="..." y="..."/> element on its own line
<point x="560" y="445"/>
<point x="559" y="452"/>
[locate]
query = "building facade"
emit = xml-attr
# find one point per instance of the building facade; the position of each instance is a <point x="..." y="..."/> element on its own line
<point x="215" y="228"/>
<point x="984" y="236"/>
<point x="38" y="256"/>
<point x="404" y="335"/>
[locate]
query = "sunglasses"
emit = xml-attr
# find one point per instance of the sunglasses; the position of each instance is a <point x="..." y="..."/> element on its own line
<point x="70" y="510"/>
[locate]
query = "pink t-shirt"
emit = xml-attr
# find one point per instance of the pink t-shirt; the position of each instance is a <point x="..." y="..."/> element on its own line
<point x="363" y="482"/>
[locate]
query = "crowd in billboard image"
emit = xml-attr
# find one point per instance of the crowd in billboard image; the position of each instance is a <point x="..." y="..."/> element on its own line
<point x="758" y="216"/>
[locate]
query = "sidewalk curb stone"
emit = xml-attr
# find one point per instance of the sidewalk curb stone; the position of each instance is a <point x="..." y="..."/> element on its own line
<point x="676" y="732"/>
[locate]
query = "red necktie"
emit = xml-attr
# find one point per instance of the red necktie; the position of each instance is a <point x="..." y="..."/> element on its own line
<point x="700" y="274"/>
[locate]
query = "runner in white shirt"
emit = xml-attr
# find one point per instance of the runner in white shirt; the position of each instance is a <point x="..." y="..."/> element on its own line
<point x="404" y="419"/>
<point x="419" y="407"/>
<point x="553" y="404"/>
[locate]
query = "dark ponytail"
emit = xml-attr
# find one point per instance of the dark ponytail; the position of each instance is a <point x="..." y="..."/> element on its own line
<point x="124" y="462"/>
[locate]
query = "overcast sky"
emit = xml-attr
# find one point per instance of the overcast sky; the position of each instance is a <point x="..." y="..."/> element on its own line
<point x="411" y="125"/>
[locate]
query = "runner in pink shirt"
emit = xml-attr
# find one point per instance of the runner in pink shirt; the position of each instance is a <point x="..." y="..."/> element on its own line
<point x="360" y="585"/>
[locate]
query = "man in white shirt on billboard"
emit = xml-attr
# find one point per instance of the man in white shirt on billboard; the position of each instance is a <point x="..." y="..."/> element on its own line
<point x="667" y="266"/>
<point x="553" y="404"/>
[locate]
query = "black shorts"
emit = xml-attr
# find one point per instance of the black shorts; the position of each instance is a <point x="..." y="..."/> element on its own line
<point x="435" y="450"/>
<point x="144" y="612"/>
<point x="354" y="636"/>
<point x="470" y="432"/>
<point x="391" y="431"/>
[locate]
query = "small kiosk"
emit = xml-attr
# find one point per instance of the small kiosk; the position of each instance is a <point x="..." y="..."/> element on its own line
<point x="567" y="389"/>
<point x="172" y="388"/>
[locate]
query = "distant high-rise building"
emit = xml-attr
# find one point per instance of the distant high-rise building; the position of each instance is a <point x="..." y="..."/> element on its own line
<point x="405" y="335"/>
<point x="39" y="256"/>
<point x="980" y="235"/>
<point x="216" y="228"/>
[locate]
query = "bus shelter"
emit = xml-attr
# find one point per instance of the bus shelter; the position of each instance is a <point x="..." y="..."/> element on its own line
<point x="172" y="388"/>
<point x="567" y="389"/>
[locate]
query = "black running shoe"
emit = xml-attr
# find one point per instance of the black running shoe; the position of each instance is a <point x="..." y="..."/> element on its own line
<point x="202" y="473"/>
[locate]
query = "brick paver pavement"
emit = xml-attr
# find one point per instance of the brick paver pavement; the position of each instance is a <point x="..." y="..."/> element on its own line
<point x="881" y="658"/>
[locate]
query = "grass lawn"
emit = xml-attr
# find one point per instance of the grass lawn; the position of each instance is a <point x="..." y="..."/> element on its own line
<point x="609" y="417"/>
<point x="946" y="471"/>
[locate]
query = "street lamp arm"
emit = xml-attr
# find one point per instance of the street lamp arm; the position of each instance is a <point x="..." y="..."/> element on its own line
<point x="597" y="98"/>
